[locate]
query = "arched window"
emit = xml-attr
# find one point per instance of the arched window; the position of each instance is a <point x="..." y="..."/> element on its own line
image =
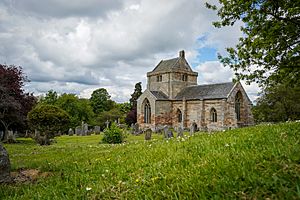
<point x="179" y="116"/>
<point x="213" y="115"/>
<point x="237" y="102"/>
<point x="147" y="112"/>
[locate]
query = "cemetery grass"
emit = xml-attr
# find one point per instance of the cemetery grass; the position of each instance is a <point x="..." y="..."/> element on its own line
<point x="258" y="162"/>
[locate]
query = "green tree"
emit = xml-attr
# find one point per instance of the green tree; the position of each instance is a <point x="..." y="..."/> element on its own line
<point x="278" y="103"/>
<point x="135" y="95"/>
<point x="111" y="116"/>
<point x="268" y="51"/>
<point x="78" y="109"/>
<point x="48" y="119"/>
<point x="50" y="98"/>
<point x="100" y="101"/>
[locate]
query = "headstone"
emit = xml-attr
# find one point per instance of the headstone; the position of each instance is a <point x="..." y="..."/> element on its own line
<point x="85" y="129"/>
<point x="107" y="124"/>
<point x="11" y="138"/>
<point x="192" y="129"/>
<point x="166" y="129"/>
<point x="170" y="133"/>
<point x="132" y="128"/>
<point x="136" y="128"/>
<point x="78" y="130"/>
<point x="148" y="134"/>
<point x="59" y="133"/>
<point x="36" y="133"/>
<point x="70" y="132"/>
<point x="97" y="130"/>
<point x="4" y="166"/>
<point x="179" y="132"/>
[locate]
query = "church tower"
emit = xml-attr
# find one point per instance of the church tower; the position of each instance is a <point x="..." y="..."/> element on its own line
<point x="171" y="76"/>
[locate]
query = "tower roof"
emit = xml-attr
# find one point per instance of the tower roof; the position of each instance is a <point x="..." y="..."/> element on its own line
<point x="174" y="64"/>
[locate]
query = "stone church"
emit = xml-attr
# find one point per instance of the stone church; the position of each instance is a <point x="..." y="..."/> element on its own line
<point x="173" y="98"/>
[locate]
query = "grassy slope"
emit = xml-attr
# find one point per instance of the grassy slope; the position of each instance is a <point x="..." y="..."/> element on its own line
<point x="257" y="162"/>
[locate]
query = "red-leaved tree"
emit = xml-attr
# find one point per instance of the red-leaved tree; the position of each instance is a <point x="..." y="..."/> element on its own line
<point x="14" y="102"/>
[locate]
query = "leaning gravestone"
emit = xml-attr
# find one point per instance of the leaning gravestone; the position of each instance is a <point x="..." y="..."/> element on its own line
<point x="148" y="134"/>
<point x="180" y="132"/>
<point x="70" y="132"/>
<point x="4" y="166"/>
<point x="97" y="130"/>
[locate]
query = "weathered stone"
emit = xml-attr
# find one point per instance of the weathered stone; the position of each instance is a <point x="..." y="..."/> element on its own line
<point x="148" y="134"/>
<point x="85" y="129"/>
<point x="70" y="132"/>
<point x="97" y="130"/>
<point x="173" y="98"/>
<point x="11" y="137"/>
<point x="4" y="166"/>
<point x="78" y="130"/>
<point x="179" y="132"/>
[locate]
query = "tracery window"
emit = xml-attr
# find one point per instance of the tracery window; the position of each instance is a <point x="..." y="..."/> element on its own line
<point x="238" y="101"/>
<point x="213" y="115"/>
<point x="147" y="112"/>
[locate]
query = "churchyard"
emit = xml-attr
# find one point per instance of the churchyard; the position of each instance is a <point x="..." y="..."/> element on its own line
<point x="259" y="162"/>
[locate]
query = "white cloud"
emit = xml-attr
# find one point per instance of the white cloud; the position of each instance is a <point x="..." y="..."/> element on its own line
<point x="81" y="46"/>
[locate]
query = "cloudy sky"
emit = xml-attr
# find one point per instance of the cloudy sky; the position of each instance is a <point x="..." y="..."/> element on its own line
<point x="80" y="45"/>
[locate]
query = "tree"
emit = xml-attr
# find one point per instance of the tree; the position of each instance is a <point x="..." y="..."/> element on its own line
<point x="131" y="116"/>
<point x="268" y="52"/>
<point x="14" y="102"/>
<point x="78" y="109"/>
<point x="135" y="95"/>
<point x="277" y="104"/>
<point x="100" y="101"/>
<point x="48" y="119"/>
<point x="50" y="98"/>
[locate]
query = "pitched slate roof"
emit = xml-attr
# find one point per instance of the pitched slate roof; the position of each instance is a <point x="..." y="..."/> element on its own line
<point x="172" y="64"/>
<point x="213" y="91"/>
<point x="159" y="95"/>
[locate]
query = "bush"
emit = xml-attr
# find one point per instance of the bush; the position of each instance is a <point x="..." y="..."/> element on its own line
<point x="113" y="135"/>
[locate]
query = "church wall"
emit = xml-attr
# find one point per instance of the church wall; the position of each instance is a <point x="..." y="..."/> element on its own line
<point x="163" y="113"/>
<point x="163" y="86"/>
<point x="246" y="114"/>
<point x="140" y="109"/>
<point x="220" y="106"/>
<point x="193" y="113"/>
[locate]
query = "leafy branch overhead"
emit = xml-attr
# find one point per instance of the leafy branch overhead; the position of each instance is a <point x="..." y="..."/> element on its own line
<point x="268" y="52"/>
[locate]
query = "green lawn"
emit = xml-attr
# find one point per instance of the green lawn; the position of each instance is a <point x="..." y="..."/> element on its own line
<point x="250" y="163"/>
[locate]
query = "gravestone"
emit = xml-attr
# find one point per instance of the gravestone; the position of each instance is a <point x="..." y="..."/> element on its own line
<point x="107" y="124"/>
<point x="166" y="129"/>
<point x="78" y="130"/>
<point x="70" y="132"/>
<point x="136" y="128"/>
<point x="148" y="134"/>
<point x="170" y="133"/>
<point x="85" y="129"/>
<point x="11" y="138"/>
<point x="4" y="166"/>
<point x="132" y="128"/>
<point x="192" y="129"/>
<point x="97" y="130"/>
<point x="59" y="133"/>
<point x="180" y="132"/>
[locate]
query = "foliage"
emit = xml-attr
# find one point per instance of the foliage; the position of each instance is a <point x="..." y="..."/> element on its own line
<point x="50" y="98"/>
<point x="135" y="95"/>
<point x="268" y="52"/>
<point x="278" y="103"/>
<point x="259" y="162"/>
<point x="78" y="109"/>
<point x="113" y="135"/>
<point x="111" y="115"/>
<point x="100" y="101"/>
<point x="48" y="120"/>
<point x="14" y="102"/>
<point x="131" y="116"/>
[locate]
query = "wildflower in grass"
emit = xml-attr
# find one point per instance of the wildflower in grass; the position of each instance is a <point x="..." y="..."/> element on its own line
<point x="137" y="180"/>
<point x="227" y="145"/>
<point x="108" y="159"/>
<point x="106" y="170"/>
<point x="88" y="188"/>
